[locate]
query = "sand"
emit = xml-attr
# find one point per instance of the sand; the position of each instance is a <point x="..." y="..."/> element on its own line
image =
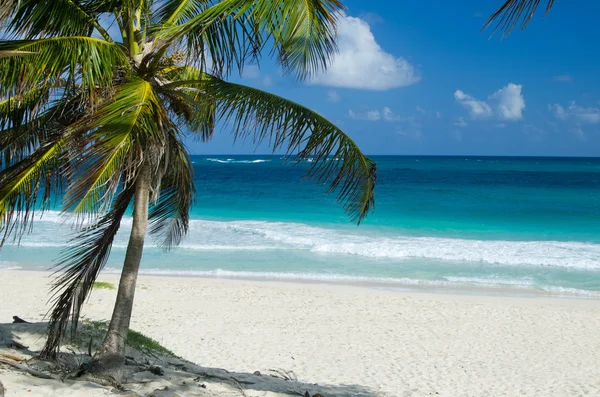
<point x="361" y="340"/>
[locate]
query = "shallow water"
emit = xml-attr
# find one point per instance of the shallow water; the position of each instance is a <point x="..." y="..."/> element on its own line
<point x="497" y="223"/>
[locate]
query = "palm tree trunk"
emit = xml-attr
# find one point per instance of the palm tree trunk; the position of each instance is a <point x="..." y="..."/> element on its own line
<point x="110" y="358"/>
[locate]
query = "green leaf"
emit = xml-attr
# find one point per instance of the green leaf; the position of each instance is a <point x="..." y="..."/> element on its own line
<point x="234" y="32"/>
<point x="51" y="18"/>
<point x="121" y="129"/>
<point x="86" y="61"/>
<point x="80" y="265"/>
<point x="23" y="183"/>
<point x="261" y="116"/>
<point x="178" y="11"/>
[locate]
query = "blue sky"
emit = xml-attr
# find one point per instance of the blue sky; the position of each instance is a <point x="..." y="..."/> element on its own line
<point x="418" y="78"/>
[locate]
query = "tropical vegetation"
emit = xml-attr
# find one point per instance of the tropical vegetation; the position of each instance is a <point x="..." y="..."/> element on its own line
<point x="96" y="97"/>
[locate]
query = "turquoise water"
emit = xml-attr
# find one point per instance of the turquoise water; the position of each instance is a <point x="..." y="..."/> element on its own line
<point x="508" y="224"/>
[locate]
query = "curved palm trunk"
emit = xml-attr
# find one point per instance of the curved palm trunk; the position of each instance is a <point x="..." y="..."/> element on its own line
<point x="110" y="358"/>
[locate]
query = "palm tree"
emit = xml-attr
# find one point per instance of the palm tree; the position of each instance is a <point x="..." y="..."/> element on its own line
<point x="512" y="12"/>
<point x="99" y="121"/>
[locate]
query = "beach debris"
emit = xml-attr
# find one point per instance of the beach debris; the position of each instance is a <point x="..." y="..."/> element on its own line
<point x="156" y="370"/>
<point x="257" y="373"/>
<point x="11" y="357"/>
<point x="26" y="369"/>
<point x="307" y="394"/>
<point x="283" y="374"/>
<point x="19" y="320"/>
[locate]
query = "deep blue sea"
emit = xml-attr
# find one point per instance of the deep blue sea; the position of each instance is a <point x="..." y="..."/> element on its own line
<point x="502" y="224"/>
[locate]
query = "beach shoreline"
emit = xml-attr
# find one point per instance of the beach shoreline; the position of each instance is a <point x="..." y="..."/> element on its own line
<point x="392" y="342"/>
<point x="483" y="291"/>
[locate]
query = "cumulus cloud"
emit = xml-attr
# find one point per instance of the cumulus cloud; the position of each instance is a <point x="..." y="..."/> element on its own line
<point x="476" y="108"/>
<point x="333" y="96"/>
<point x="579" y="114"/>
<point x="361" y="63"/>
<point x="509" y="102"/>
<point x="505" y="104"/>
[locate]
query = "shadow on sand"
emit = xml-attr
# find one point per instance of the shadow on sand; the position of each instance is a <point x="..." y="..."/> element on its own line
<point x="176" y="377"/>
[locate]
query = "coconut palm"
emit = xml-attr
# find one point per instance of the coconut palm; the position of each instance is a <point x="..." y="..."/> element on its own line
<point x="508" y="16"/>
<point x="97" y="96"/>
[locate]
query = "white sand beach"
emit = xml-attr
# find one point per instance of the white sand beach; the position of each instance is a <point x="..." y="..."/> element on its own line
<point x="379" y="342"/>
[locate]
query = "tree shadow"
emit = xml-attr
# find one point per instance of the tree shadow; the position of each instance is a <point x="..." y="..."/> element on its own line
<point x="179" y="377"/>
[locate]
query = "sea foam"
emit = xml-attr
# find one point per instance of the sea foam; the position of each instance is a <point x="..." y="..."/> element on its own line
<point x="251" y="235"/>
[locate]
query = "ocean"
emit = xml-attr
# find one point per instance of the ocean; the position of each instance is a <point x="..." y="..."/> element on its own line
<point x="507" y="225"/>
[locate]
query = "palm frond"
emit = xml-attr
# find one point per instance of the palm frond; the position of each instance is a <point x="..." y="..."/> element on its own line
<point x="121" y="129"/>
<point x="20" y="109"/>
<point x="193" y="109"/>
<point x="51" y="18"/>
<point x="512" y="12"/>
<point x="262" y="116"/>
<point x="178" y="11"/>
<point x="88" y="61"/>
<point x="233" y="32"/>
<point x="26" y="130"/>
<point x="26" y="187"/>
<point x="7" y="7"/>
<point x="169" y="216"/>
<point x="81" y="263"/>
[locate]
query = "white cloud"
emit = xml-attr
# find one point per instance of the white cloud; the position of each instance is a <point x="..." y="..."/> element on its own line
<point x="509" y="102"/>
<point x="506" y="104"/>
<point x="576" y="117"/>
<point x="361" y="63"/>
<point x="421" y="110"/>
<point x="438" y="115"/>
<point x="385" y="114"/>
<point x="333" y="96"/>
<point x="476" y="108"/>
<point x="370" y="115"/>
<point x="579" y="114"/>
<point x="388" y="115"/>
<point x="564" y="78"/>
